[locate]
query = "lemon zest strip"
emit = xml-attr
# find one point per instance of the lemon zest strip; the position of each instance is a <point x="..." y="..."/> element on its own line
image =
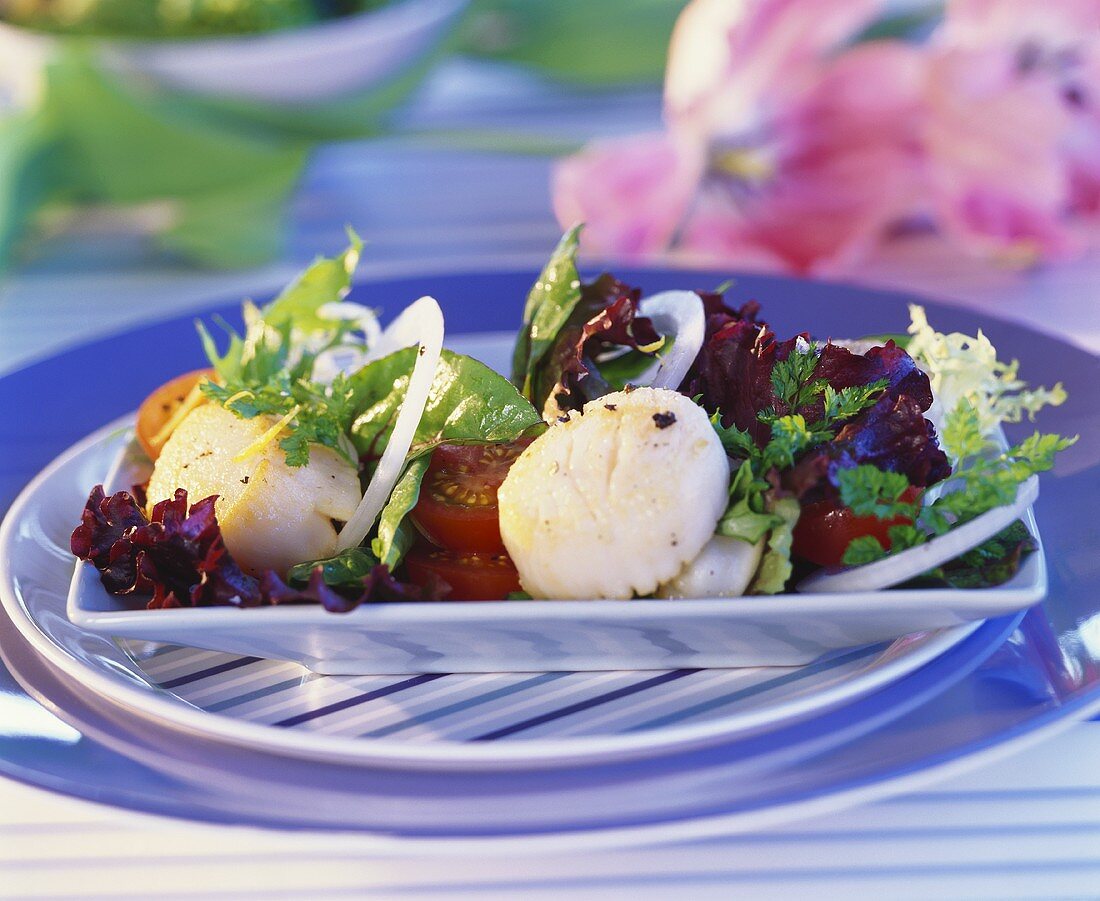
<point x="267" y="437"/>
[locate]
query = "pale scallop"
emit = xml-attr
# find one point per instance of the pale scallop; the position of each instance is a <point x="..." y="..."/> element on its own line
<point x="722" y="569"/>
<point x="612" y="503"/>
<point x="272" y="515"/>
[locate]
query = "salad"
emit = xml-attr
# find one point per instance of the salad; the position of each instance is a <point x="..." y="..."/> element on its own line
<point x="667" y="446"/>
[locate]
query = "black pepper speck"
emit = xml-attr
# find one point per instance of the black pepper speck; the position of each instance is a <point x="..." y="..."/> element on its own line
<point x="664" y="420"/>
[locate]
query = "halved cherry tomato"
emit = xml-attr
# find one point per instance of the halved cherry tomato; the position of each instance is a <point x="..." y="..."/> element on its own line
<point x="157" y="410"/>
<point x="472" y="577"/>
<point x="826" y="528"/>
<point x="457" y="509"/>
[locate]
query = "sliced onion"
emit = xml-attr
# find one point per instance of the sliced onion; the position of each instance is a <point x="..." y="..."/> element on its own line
<point x="679" y="316"/>
<point x="908" y="564"/>
<point x="420" y="323"/>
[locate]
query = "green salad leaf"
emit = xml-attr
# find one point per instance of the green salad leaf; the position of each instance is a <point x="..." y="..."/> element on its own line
<point x="775" y="568"/>
<point x="345" y="570"/>
<point x="754" y="509"/>
<point x="964" y="367"/>
<point x="325" y="281"/>
<point x="550" y="303"/>
<point x="395" y="534"/>
<point x="991" y="563"/>
<point x="984" y="478"/>
<point x="468" y="403"/>
<point x="269" y="369"/>
<point x="747" y="516"/>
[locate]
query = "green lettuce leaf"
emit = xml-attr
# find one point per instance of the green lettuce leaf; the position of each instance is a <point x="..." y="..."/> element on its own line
<point x="550" y="303"/>
<point x="965" y="369"/>
<point x="345" y="570"/>
<point x="325" y="281"/>
<point x="775" y="568"/>
<point x="991" y="563"/>
<point x="468" y="403"/>
<point x="747" y="516"/>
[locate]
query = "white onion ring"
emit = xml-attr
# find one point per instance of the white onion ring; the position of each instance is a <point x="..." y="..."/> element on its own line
<point x="679" y="316"/>
<point x="419" y="323"/>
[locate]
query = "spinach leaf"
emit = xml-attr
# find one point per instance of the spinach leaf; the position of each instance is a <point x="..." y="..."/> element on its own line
<point x="395" y="535"/>
<point x="346" y="570"/>
<point x="550" y="303"/>
<point x="468" y="403"/>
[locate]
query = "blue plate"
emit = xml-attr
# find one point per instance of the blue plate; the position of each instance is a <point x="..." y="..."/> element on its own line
<point x="1012" y="680"/>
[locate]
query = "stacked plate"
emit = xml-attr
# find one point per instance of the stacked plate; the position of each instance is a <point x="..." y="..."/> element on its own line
<point x="525" y="756"/>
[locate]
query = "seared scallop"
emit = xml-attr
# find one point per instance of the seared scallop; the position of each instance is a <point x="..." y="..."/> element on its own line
<point x="272" y="515"/>
<point x="614" y="502"/>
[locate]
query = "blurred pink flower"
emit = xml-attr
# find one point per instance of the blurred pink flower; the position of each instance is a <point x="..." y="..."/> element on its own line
<point x="995" y="168"/>
<point x="633" y="193"/>
<point x="842" y="164"/>
<point x="1010" y="137"/>
<point x="763" y="162"/>
<point x="732" y="61"/>
<point x="793" y="143"/>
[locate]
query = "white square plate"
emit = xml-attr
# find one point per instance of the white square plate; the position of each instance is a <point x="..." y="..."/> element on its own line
<point x="541" y="636"/>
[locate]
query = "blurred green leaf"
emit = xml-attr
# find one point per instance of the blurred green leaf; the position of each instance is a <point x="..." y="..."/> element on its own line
<point x="592" y="43"/>
<point x="26" y="163"/>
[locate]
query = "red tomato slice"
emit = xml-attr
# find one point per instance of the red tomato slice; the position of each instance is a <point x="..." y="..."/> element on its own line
<point x="457" y="509"/>
<point x="472" y="577"/>
<point x="826" y="528"/>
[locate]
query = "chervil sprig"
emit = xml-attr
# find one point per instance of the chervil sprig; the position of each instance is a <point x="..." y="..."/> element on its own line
<point x="792" y="378"/>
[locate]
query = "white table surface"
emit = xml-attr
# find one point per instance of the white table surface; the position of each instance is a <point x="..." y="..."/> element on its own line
<point x="1025" y="826"/>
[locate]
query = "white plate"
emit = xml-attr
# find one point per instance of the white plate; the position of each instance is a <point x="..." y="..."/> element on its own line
<point x="436" y="721"/>
<point x="539" y="636"/>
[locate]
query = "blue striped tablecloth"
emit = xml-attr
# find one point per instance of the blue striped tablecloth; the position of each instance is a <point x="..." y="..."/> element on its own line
<point x="1027" y="826"/>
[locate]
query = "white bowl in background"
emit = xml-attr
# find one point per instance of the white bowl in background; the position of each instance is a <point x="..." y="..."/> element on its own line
<point x="320" y="62"/>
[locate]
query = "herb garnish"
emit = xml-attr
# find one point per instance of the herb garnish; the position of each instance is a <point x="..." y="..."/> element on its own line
<point x="270" y="370"/>
<point x="983" y="479"/>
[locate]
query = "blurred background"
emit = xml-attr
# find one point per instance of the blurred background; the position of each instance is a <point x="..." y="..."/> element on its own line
<point x="157" y="155"/>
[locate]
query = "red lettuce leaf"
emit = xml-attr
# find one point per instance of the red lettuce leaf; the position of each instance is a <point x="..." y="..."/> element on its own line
<point x="378" y="585"/>
<point x="179" y="557"/>
<point x="103" y="522"/>
<point x="605" y="319"/>
<point x="733" y="374"/>
<point x="892" y="435"/>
